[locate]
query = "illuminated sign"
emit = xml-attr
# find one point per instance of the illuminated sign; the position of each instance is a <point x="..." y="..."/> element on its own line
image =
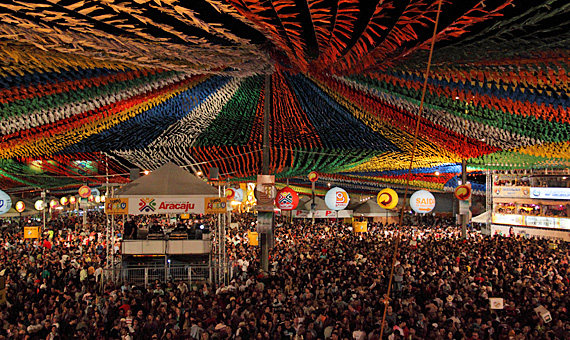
<point x="550" y="193"/>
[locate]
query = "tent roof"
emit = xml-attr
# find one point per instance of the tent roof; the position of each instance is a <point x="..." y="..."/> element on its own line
<point x="305" y="203"/>
<point x="370" y="206"/>
<point x="168" y="180"/>
<point x="482" y="218"/>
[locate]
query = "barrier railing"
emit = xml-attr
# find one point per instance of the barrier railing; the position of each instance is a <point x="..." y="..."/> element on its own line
<point x="150" y="274"/>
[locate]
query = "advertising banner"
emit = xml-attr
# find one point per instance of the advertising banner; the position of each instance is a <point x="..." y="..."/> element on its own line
<point x="215" y="205"/>
<point x="550" y="193"/>
<point x="542" y="221"/>
<point x="166" y="205"/>
<point x="117" y="206"/>
<point x="508" y="219"/>
<point x="511" y="192"/>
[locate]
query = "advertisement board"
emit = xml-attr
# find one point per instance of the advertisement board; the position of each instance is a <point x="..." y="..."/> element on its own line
<point x="31" y="232"/>
<point x="117" y="206"/>
<point x="165" y="205"/>
<point x="550" y="193"/>
<point x="360" y="227"/>
<point x="215" y="205"/>
<point x="542" y="221"/>
<point x="511" y="192"/>
<point x="508" y="219"/>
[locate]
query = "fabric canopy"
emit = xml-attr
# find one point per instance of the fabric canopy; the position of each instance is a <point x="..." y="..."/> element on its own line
<point x="168" y="180"/>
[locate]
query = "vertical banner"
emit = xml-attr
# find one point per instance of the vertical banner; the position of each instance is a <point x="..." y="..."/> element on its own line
<point x="265" y="192"/>
<point x="264" y="222"/>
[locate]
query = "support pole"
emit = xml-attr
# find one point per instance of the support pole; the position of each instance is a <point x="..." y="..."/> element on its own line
<point x="464" y="217"/>
<point x="266" y="238"/>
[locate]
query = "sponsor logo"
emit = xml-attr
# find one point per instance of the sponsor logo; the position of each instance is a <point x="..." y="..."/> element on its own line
<point x="147" y="205"/>
<point x="341" y="198"/>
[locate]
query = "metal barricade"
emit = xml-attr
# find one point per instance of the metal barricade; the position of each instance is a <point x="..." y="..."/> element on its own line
<point x="145" y="275"/>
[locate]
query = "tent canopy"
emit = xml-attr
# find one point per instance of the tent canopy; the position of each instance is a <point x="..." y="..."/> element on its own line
<point x="481" y="218"/>
<point x="371" y="208"/>
<point x="168" y="180"/>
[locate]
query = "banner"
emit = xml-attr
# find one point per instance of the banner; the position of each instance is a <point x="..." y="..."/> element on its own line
<point x="511" y="192"/>
<point x="117" y="206"/>
<point x="360" y="227"/>
<point x="497" y="303"/>
<point x="323" y="214"/>
<point x="215" y="205"/>
<point x="166" y="205"/>
<point x="265" y="192"/>
<point x="508" y="219"/>
<point x="31" y="232"/>
<point x="550" y="193"/>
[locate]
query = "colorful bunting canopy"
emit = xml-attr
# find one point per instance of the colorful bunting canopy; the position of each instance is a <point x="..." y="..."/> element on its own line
<point x="89" y="89"/>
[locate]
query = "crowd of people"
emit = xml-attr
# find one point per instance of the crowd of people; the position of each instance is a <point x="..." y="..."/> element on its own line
<point x="325" y="282"/>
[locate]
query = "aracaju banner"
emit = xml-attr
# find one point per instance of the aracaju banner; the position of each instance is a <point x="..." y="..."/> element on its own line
<point x="148" y="205"/>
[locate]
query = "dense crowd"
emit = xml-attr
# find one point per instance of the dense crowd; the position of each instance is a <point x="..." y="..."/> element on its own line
<point x="325" y="282"/>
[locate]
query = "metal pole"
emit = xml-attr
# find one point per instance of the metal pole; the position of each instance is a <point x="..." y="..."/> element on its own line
<point x="464" y="217"/>
<point x="313" y="204"/>
<point x="219" y="240"/>
<point x="265" y="238"/>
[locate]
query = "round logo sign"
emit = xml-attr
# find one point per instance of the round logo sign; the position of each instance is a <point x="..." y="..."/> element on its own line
<point x="5" y="202"/>
<point x="72" y="200"/>
<point x="39" y="205"/>
<point x="64" y="200"/>
<point x="387" y="199"/>
<point x="239" y="195"/>
<point x="313" y="176"/>
<point x="287" y="199"/>
<point x="53" y="203"/>
<point x="422" y="201"/>
<point x="463" y="192"/>
<point x="337" y="199"/>
<point x="20" y="206"/>
<point x="84" y="191"/>
<point x="230" y="193"/>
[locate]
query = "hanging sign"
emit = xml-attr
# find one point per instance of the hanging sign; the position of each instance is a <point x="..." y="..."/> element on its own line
<point x="117" y="206"/>
<point x="63" y="200"/>
<point x="5" y="202"/>
<point x="84" y="191"/>
<point x="422" y="201"/>
<point x="463" y="192"/>
<point x="337" y="199"/>
<point x="387" y="199"/>
<point x="215" y="205"/>
<point x="313" y="176"/>
<point x="287" y="199"/>
<point x="72" y="200"/>
<point x="265" y="192"/>
<point x="230" y="193"/>
<point x="39" y="205"/>
<point x="20" y="206"/>
<point x="53" y="203"/>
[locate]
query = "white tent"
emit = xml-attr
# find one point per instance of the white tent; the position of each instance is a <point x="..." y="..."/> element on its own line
<point x="482" y="218"/>
<point x="167" y="190"/>
<point x="371" y="208"/>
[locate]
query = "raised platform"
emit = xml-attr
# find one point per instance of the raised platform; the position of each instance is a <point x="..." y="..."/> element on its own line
<point x="170" y="247"/>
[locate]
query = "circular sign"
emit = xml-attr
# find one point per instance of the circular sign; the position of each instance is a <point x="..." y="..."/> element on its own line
<point x="313" y="176"/>
<point x="53" y="203"/>
<point x="287" y="199"/>
<point x="5" y="202"/>
<point x="84" y="191"/>
<point x="39" y="205"/>
<point x="72" y="200"/>
<point x="387" y="199"/>
<point x="97" y="199"/>
<point x="463" y="192"/>
<point x="230" y="193"/>
<point x="91" y="198"/>
<point x="238" y="195"/>
<point x="20" y="206"/>
<point x="64" y="200"/>
<point x="422" y="201"/>
<point x="337" y="199"/>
